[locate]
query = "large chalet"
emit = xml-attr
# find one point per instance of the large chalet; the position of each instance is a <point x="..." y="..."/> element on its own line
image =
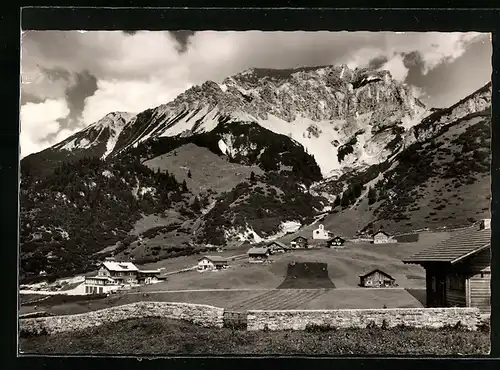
<point x="113" y="275"/>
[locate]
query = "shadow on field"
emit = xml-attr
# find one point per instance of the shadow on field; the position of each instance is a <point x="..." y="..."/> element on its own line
<point x="307" y="275"/>
<point x="419" y="294"/>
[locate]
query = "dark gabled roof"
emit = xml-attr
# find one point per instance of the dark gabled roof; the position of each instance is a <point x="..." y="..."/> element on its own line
<point x="377" y="270"/>
<point x="456" y="248"/>
<point x="299" y="237"/>
<point x="256" y="250"/>
<point x="279" y="244"/>
<point x="214" y="258"/>
<point x="335" y="238"/>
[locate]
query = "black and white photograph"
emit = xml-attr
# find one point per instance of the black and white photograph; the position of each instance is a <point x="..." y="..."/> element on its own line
<point x="255" y="193"/>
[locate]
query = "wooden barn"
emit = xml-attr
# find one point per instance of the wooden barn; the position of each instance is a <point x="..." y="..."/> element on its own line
<point x="300" y="242"/>
<point x="277" y="247"/>
<point x="335" y="242"/>
<point x="258" y="255"/>
<point x="376" y="279"/>
<point x="458" y="272"/>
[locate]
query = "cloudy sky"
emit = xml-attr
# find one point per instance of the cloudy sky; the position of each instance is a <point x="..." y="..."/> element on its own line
<point x="71" y="79"/>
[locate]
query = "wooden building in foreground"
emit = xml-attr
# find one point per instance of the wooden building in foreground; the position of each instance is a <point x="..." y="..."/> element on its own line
<point x="458" y="270"/>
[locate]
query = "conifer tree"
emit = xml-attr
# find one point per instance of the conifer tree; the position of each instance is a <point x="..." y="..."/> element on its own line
<point x="196" y="206"/>
<point x="372" y="196"/>
<point x="184" y="186"/>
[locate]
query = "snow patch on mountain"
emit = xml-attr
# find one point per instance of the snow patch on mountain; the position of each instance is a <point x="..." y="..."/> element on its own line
<point x="290" y="226"/>
<point x="319" y="138"/>
<point x="106" y="129"/>
<point x="77" y="144"/>
<point x="247" y="234"/>
<point x="226" y="146"/>
<point x="115" y="124"/>
<point x="147" y="190"/>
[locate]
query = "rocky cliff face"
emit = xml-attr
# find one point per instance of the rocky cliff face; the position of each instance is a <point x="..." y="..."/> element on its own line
<point x="105" y="131"/>
<point x="476" y="103"/>
<point x="344" y="118"/>
<point x="322" y="108"/>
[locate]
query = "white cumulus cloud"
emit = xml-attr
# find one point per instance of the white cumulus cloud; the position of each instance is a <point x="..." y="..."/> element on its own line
<point x="38" y="121"/>
<point x="396" y="66"/>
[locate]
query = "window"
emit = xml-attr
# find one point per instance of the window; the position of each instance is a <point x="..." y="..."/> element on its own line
<point x="457" y="282"/>
<point x="433" y="284"/>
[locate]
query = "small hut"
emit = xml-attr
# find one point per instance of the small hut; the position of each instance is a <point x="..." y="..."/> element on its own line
<point x="300" y="242"/>
<point x="376" y="279"/>
<point x="382" y="237"/>
<point x="258" y="255"/>
<point x="336" y="242"/>
<point x="277" y="247"/>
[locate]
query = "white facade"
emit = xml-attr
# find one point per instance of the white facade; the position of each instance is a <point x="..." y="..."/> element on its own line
<point x="205" y="265"/>
<point x="100" y="285"/>
<point x="320" y="233"/>
<point x="382" y="238"/>
<point x="127" y="276"/>
<point x="211" y="264"/>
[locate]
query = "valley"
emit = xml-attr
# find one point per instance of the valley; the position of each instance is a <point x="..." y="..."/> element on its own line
<point x="245" y="286"/>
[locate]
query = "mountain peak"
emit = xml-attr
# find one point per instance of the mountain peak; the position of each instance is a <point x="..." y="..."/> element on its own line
<point x="113" y="119"/>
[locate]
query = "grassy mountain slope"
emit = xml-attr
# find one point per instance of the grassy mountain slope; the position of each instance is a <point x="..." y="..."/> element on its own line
<point x="88" y="205"/>
<point x="441" y="182"/>
<point x="261" y="205"/>
<point x="203" y="170"/>
<point x="249" y="143"/>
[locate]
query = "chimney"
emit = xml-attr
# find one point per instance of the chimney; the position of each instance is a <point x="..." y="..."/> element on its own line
<point x="485" y="224"/>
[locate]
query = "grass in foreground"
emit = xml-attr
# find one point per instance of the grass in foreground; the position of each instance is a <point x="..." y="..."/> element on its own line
<point x="158" y="336"/>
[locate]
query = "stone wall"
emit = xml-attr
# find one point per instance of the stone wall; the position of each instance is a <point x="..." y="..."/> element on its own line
<point x="362" y="318"/>
<point x="203" y="315"/>
<point x="35" y="314"/>
<point x="235" y="319"/>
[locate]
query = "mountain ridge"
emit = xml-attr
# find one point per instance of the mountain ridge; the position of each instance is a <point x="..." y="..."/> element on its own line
<point x="320" y="107"/>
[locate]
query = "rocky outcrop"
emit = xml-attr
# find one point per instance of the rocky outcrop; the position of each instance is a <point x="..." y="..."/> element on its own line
<point x="475" y="103"/>
<point x="470" y="318"/>
<point x="207" y="316"/>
